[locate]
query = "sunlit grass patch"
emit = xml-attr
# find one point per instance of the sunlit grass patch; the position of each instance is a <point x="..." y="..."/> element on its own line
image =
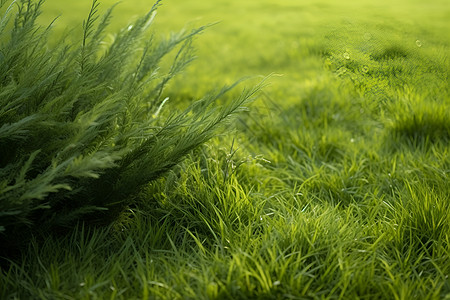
<point x="420" y="122"/>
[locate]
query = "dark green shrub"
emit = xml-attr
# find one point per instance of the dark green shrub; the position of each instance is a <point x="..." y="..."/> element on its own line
<point x="83" y="126"/>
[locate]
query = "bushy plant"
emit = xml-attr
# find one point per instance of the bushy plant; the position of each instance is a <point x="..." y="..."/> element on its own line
<point x="83" y="126"/>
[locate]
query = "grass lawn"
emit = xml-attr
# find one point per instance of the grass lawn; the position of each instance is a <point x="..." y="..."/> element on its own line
<point x="334" y="184"/>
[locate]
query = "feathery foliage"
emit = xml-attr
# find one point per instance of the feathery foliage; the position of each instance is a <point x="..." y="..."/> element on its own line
<point x="83" y="126"/>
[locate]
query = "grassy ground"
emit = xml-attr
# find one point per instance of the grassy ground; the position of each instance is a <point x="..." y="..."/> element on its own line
<point x="334" y="185"/>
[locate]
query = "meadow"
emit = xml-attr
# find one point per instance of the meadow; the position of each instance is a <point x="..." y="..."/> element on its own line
<point x="331" y="183"/>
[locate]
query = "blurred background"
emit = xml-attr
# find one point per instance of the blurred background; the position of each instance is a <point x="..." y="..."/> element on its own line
<point x="292" y="38"/>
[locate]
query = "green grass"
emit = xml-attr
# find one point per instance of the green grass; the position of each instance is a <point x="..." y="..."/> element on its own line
<point x="333" y="185"/>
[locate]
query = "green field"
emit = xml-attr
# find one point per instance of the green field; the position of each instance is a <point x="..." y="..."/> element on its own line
<point x="334" y="183"/>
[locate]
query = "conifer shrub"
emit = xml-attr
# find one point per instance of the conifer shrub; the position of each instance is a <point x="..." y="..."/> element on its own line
<point x="84" y="126"/>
